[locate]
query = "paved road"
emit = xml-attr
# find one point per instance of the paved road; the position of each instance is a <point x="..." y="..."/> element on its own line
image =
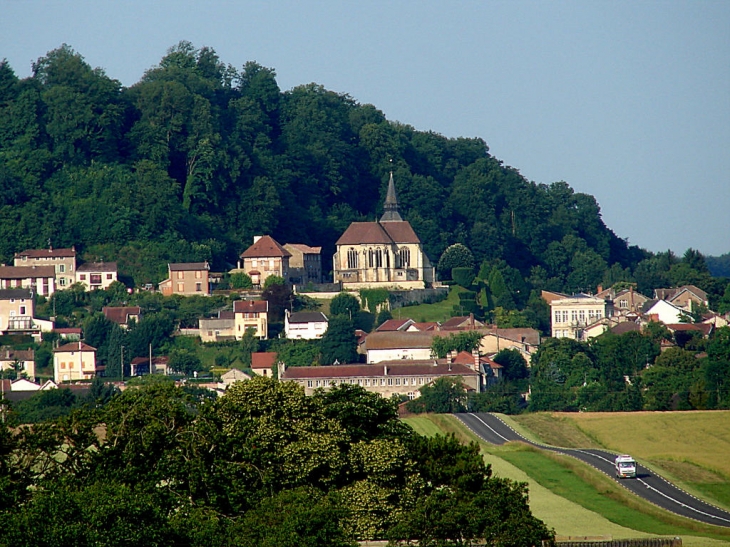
<point x="647" y="485"/>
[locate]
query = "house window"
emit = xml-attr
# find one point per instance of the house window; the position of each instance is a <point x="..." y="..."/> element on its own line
<point x="565" y="316"/>
<point x="397" y="381"/>
<point x="271" y="264"/>
<point x="61" y="268"/>
<point x="411" y="395"/>
<point x="82" y="277"/>
<point x="573" y="315"/>
<point x="351" y="259"/>
<point x="309" y="383"/>
<point x="198" y="275"/>
<point x="22" y="310"/>
<point x="557" y="317"/>
<point x="109" y="276"/>
<point x="390" y="381"/>
<point x="253" y="262"/>
<point x="181" y="275"/>
<point x="181" y="287"/>
<point x="199" y="287"/>
<point x="95" y="279"/>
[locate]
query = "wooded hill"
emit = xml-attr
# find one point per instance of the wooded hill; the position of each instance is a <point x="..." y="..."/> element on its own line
<point x="198" y="156"/>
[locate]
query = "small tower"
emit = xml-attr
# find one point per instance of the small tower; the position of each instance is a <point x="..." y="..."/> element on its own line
<point x="390" y="206"/>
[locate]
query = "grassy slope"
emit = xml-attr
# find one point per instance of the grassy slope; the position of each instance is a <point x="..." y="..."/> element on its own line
<point x="689" y="448"/>
<point x="563" y="492"/>
<point x="440" y="311"/>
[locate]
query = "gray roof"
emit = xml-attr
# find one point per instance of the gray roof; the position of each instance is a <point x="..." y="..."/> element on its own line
<point x="308" y="317"/>
<point x="7" y="294"/>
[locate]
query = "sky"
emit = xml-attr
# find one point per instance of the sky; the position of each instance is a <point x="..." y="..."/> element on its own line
<point x="628" y="101"/>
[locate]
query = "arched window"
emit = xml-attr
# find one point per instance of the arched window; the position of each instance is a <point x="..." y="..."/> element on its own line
<point x="379" y="258"/>
<point x="351" y="259"/>
<point x="405" y="257"/>
<point x="371" y="258"/>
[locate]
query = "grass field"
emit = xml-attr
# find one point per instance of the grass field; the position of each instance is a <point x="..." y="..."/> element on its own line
<point x="690" y="448"/>
<point x="571" y="497"/>
<point x="440" y="311"/>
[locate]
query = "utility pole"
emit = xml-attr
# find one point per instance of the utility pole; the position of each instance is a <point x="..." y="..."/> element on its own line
<point x="121" y="369"/>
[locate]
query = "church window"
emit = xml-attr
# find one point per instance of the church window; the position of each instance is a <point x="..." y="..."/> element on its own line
<point x="405" y="257"/>
<point x="351" y="259"/>
<point x="379" y="258"/>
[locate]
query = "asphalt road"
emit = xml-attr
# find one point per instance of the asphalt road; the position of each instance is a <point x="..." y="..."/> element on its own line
<point x="649" y="486"/>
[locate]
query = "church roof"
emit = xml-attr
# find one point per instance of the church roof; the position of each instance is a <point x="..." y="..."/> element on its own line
<point x="375" y="232"/>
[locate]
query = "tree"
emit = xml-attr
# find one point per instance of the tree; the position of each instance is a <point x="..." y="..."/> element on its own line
<point x="273" y="280"/>
<point x="279" y="297"/>
<point x="249" y="344"/>
<point x="339" y="343"/>
<point x="185" y="362"/>
<point x="457" y="255"/>
<point x="345" y="304"/>
<point x="463" y="341"/>
<point x="445" y="395"/>
<point x="514" y="365"/>
<point x="241" y="281"/>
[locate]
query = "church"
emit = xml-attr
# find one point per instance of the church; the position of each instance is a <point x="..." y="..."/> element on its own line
<point x="385" y="254"/>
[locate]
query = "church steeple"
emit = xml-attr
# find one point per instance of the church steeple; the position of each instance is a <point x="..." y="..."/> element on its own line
<point x="390" y="206"/>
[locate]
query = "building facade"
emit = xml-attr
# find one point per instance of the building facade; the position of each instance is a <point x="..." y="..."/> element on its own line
<point x="386" y="253"/>
<point x="305" y="264"/>
<point x="187" y="279"/>
<point x="62" y="260"/>
<point x="263" y="259"/>
<point x="305" y="325"/>
<point x="96" y="275"/>
<point x="571" y="315"/>
<point x="40" y="279"/>
<point x="74" y="361"/>
<point x="386" y="379"/>
<point x="251" y="314"/>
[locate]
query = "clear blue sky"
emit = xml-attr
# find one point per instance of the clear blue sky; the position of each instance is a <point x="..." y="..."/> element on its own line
<point x="626" y="100"/>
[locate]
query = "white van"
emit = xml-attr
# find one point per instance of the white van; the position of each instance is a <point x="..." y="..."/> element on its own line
<point x="625" y="467"/>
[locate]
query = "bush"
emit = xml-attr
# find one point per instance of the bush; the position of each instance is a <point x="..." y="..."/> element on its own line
<point x="463" y="276"/>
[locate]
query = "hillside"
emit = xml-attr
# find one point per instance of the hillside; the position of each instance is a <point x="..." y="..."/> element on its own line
<point x="193" y="160"/>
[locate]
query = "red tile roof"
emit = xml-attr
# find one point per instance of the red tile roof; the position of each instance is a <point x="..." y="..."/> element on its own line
<point x="457" y="323"/>
<point x="394" y="325"/>
<point x="26" y="272"/>
<point x="383" y="369"/>
<point x="75" y="346"/>
<point x="41" y="253"/>
<point x="399" y="340"/>
<point x="248" y="306"/>
<point x="188" y="266"/>
<point x="120" y="314"/>
<point x="263" y="359"/>
<point x="265" y="247"/>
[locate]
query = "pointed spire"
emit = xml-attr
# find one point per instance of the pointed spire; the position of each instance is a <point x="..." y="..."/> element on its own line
<point x="390" y="206"/>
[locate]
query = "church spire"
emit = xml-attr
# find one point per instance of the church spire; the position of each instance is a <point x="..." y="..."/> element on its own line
<point x="390" y="206"/>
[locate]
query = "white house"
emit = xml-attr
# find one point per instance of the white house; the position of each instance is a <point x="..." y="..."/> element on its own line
<point x="392" y="346"/>
<point x="305" y="325"/>
<point x="667" y="313"/>
<point x="571" y="315"/>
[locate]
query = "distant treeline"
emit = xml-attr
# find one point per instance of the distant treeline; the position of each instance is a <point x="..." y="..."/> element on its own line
<point x="198" y="156"/>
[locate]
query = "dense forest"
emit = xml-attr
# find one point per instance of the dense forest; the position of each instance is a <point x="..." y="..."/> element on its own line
<point x="197" y="157"/>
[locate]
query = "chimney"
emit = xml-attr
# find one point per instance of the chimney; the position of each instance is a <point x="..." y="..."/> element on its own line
<point x="385" y="370"/>
<point x="599" y="289"/>
<point x="471" y="321"/>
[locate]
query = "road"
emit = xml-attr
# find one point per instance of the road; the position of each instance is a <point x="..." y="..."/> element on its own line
<point x="649" y="486"/>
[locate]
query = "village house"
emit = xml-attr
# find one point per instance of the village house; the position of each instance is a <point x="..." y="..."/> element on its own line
<point x="263" y="259"/>
<point x="624" y="300"/>
<point x="665" y="312"/>
<point x="17" y="314"/>
<point x="40" y="279"/>
<point x="96" y="275"/>
<point x="466" y="322"/>
<point x="305" y="264"/>
<point x="186" y="279"/>
<point x="524" y="340"/>
<point x="251" y="314"/>
<point x="140" y="366"/>
<point x="63" y="262"/>
<point x="305" y="325"/>
<point x="122" y="315"/>
<point x="262" y="363"/>
<point x="216" y="329"/>
<point x="23" y="361"/>
<point x="231" y="377"/>
<point x="396" y="345"/>
<point x="74" y="361"/>
<point x="686" y="297"/>
<point x="572" y="314"/>
<point x="386" y="253"/>
<point x="387" y="378"/>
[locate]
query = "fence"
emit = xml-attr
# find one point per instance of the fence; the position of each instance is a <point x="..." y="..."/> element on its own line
<point x="638" y="542"/>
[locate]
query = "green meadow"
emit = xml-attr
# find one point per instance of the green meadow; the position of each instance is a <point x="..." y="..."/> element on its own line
<point x="571" y="497"/>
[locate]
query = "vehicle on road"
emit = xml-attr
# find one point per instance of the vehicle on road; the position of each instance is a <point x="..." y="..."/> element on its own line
<point x="625" y="467"/>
